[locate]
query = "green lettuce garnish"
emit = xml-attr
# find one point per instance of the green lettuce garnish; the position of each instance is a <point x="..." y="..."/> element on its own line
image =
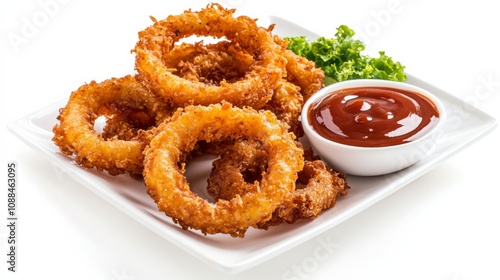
<point x="341" y="58"/>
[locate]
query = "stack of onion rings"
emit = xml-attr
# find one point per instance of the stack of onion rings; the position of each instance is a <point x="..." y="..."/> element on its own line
<point x="203" y="98"/>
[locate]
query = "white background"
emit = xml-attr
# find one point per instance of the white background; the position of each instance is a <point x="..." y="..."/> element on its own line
<point x="443" y="226"/>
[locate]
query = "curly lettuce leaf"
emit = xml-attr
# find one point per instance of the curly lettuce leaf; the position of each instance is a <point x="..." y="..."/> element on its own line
<point x="341" y="58"/>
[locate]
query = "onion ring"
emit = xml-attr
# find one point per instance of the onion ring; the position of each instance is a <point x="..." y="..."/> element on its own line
<point x="234" y="172"/>
<point x="301" y="71"/>
<point x="167" y="185"/>
<point x="75" y="134"/>
<point x="255" y="90"/>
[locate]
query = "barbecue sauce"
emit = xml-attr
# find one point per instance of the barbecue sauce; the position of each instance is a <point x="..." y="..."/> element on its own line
<point x="373" y="116"/>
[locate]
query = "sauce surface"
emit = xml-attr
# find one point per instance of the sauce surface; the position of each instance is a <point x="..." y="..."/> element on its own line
<point x="373" y="116"/>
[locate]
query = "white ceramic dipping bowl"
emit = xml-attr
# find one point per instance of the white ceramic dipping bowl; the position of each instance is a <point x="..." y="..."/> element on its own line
<point x="371" y="161"/>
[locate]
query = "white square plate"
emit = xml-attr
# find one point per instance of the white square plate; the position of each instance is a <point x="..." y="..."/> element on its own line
<point x="465" y="125"/>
